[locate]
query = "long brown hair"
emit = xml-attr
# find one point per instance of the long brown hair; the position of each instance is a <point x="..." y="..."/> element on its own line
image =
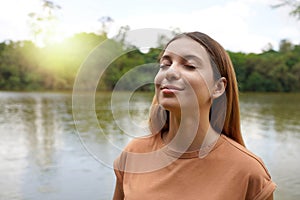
<point x="224" y="113"/>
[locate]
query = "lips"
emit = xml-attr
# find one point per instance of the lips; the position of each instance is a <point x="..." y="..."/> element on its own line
<point x="170" y="88"/>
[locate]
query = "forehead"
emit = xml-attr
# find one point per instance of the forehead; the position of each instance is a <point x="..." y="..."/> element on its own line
<point x="187" y="46"/>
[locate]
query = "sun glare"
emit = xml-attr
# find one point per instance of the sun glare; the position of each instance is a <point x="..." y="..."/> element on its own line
<point x="47" y="37"/>
<point x="45" y="24"/>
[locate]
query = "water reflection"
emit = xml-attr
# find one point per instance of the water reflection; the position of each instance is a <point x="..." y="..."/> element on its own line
<point x="278" y="111"/>
<point x="42" y="157"/>
<point x="30" y="124"/>
<point x="271" y="126"/>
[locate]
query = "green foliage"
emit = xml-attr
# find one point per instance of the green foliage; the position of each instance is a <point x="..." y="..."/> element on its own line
<point x="24" y="66"/>
<point x="132" y="61"/>
<point x="270" y="71"/>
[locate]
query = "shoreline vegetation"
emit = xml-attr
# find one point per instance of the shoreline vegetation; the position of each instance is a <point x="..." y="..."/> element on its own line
<point x="26" y="67"/>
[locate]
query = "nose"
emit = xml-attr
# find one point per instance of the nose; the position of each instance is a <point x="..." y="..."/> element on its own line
<point x="173" y="72"/>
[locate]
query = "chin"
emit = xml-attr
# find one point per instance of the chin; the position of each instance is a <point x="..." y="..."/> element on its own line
<point x="171" y="106"/>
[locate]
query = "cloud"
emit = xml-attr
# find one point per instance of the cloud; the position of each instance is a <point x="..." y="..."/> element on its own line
<point x="227" y="23"/>
<point x="239" y="25"/>
<point x="14" y="16"/>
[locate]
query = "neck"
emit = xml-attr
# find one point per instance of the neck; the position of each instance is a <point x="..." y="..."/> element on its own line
<point x="190" y="132"/>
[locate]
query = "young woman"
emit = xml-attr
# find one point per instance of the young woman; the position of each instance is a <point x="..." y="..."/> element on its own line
<point x="196" y="150"/>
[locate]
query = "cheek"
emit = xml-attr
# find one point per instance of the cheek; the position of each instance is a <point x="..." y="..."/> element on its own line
<point x="157" y="82"/>
<point x="201" y="86"/>
<point x="158" y="79"/>
<point x="206" y="79"/>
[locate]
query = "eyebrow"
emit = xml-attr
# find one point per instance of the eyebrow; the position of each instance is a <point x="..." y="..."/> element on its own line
<point x="192" y="57"/>
<point x="165" y="57"/>
<point x="184" y="57"/>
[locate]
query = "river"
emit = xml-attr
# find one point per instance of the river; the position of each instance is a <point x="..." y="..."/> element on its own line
<point x="46" y="154"/>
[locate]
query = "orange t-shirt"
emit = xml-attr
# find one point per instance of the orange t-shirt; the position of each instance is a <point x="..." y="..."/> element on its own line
<point x="229" y="171"/>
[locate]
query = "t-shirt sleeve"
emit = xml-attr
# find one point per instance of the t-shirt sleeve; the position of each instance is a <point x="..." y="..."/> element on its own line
<point x="117" y="169"/>
<point x="119" y="192"/>
<point x="120" y="162"/>
<point x="266" y="191"/>
<point x="119" y="166"/>
<point x="260" y="185"/>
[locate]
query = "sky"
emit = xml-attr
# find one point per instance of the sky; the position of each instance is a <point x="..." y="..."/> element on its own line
<point x="239" y="25"/>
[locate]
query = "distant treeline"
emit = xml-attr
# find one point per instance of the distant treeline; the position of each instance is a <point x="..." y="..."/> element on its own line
<point x="26" y="67"/>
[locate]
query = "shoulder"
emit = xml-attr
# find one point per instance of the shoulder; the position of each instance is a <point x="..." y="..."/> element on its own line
<point x="144" y="144"/>
<point x="243" y="156"/>
<point x="135" y="156"/>
<point x="250" y="168"/>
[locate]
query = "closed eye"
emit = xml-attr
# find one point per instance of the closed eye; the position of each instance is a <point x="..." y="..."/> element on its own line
<point x="164" y="65"/>
<point x="165" y="61"/>
<point x="190" y="66"/>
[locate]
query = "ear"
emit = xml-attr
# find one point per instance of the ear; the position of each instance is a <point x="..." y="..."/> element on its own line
<point x="219" y="88"/>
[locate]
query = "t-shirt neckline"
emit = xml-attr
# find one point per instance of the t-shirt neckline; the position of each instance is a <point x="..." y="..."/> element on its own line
<point x="201" y="153"/>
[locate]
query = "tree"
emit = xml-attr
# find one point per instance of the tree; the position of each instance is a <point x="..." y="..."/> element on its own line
<point x="239" y="64"/>
<point x="121" y="36"/>
<point x="105" y="23"/>
<point x="294" y="4"/>
<point x="43" y="24"/>
<point x="285" y="46"/>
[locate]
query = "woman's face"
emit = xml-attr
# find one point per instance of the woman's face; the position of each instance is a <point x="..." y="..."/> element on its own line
<point x="185" y="73"/>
